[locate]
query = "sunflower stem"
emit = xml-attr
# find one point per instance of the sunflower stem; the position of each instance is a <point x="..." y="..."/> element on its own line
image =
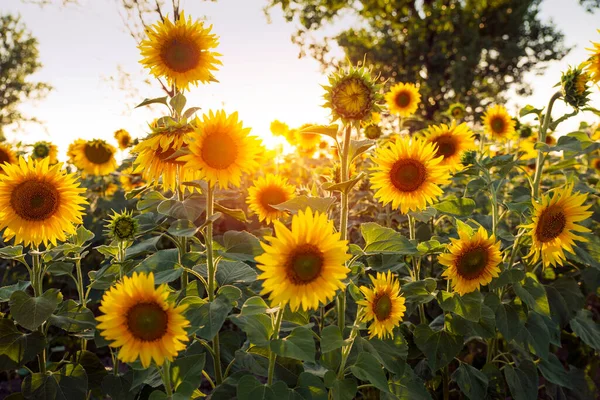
<point x="344" y="172"/>
<point x="36" y="282"/>
<point x="166" y="378"/>
<point x="272" y="356"/>
<point x="348" y="347"/>
<point x="539" y="161"/>
<point x="446" y="383"/>
<point x="183" y="247"/>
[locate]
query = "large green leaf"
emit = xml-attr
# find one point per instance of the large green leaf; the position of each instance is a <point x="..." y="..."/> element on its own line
<point x="31" y="312"/>
<point x="522" y="381"/>
<point x="408" y="386"/>
<point x="94" y="369"/>
<point x="379" y="239"/>
<point x="440" y="347"/>
<point x="391" y="352"/>
<point x="186" y="374"/>
<point x="18" y="348"/>
<point x="460" y="207"/>
<point x="507" y="321"/>
<point x="586" y="328"/>
<point x="190" y="209"/>
<point x="467" y="306"/>
<point x="419" y="292"/>
<point x="344" y="389"/>
<point x="258" y="327"/>
<point x="331" y="339"/>
<point x="299" y="345"/>
<point x="119" y="387"/>
<point x="533" y="294"/>
<point x="249" y="388"/>
<point x="552" y="369"/>
<point x="209" y="317"/>
<point x="472" y="382"/>
<point x="230" y="272"/>
<point x="164" y="264"/>
<point x="242" y="246"/>
<point x="314" y="385"/>
<point x="535" y="335"/>
<point x="70" y="383"/>
<point x="73" y="317"/>
<point x="7" y="291"/>
<point x="367" y="368"/>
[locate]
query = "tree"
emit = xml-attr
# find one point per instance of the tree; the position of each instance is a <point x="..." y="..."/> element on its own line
<point x="468" y="51"/>
<point x="19" y="59"/>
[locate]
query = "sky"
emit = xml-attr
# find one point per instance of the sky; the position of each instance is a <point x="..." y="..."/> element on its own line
<point x="262" y="78"/>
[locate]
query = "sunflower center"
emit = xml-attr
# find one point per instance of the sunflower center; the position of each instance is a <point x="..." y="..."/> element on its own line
<point x="97" y="154"/>
<point x="456" y="112"/>
<point x="180" y="55"/>
<point x="446" y="146"/>
<point x="147" y="321"/>
<point x="382" y="306"/>
<point x="498" y="125"/>
<point x="551" y="224"/>
<point x="272" y="196"/>
<point x="41" y="151"/>
<point x="4" y="157"/>
<point x="124" y="228"/>
<point x="219" y="151"/>
<point x="305" y="264"/>
<point x="403" y="99"/>
<point x="35" y="200"/>
<point x="408" y="175"/>
<point x="472" y="262"/>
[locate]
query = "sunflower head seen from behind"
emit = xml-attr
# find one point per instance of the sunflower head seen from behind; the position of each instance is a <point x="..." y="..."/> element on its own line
<point x="266" y="192"/>
<point x="138" y="318"/>
<point x="498" y="123"/>
<point x="39" y="203"/>
<point x="43" y="149"/>
<point x="450" y="143"/>
<point x="93" y="157"/>
<point x="123" y="138"/>
<point x="303" y="266"/>
<point x="403" y="99"/>
<point x="181" y="52"/>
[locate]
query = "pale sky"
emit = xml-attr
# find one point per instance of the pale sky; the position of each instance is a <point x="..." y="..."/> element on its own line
<point x="261" y="77"/>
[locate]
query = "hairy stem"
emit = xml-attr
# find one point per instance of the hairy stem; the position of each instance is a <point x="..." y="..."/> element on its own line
<point x="272" y="356"/>
<point x="539" y="161"/>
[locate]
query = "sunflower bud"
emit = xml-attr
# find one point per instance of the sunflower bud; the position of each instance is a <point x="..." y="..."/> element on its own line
<point x="372" y="131"/>
<point x="122" y="227"/>
<point x="575" y="87"/>
<point x="468" y="158"/>
<point x="457" y="110"/>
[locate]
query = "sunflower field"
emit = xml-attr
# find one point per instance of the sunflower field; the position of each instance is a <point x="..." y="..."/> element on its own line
<point x="382" y="257"/>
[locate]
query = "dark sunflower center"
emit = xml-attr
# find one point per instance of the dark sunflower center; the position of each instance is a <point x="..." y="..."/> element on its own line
<point x="180" y="55"/>
<point x="41" y="151"/>
<point x="272" y="196"/>
<point x="97" y="154"/>
<point x="165" y="156"/>
<point x="304" y="264"/>
<point x="456" y="112"/>
<point x="124" y="140"/>
<point x="498" y="125"/>
<point x="551" y="224"/>
<point x="408" y="175"/>
<point x="219" y="151"/>
<point x="4" y="157"/>
<point x="472" y="262"/>
<point x="446" y="146"/>
<point x="35" y="200"/>
<point x="147" y="321"/>
<point x="123" y="228"/>
<point x="596" y="163"/>
<point x="382" y="306"/>
<point x="403" y="99"/>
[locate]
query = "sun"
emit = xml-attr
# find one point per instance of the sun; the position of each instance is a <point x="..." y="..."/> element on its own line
<point x="408" y="174"/>
<point x="554" y="224"/>
<point x="498" y="123"/>
<point x="472" y="261"/>
<point x="39" y="203"/>
<point x="138" y="318"/>
<point x="304" y="266"/>
<point x="93" y="157"/>
<point x="384" y="305"/>
<point x="403" y="99"/>
<point x="266" y="192"/>
<point x="451" y="142"/>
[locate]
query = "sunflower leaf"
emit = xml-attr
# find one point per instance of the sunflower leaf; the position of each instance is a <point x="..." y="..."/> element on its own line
<point x="440" y="347"/>
<point x="472" y="382"/>
<point x="299" y="345"/>
<point x="522" y="381"/>
<point x="157" y="100"/>
<point x="31" y="312"/>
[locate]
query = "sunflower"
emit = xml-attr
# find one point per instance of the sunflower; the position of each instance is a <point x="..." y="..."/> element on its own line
<point x="43" y="149"/>
<point x="7" y="155"/>
<point x="222" y="150"/>
<point x="180" y="52"/>
<point x="451" y="142"/>
<point x="138" y="318"/>
<point x="498" y="123"/>
<point x="279" y="128"/>
<point x="168" y="134"/>
<point x="472" y="260"/>
<point x="123" y="138"/>
<point x="527" y="149"/>
<point x="456" y="111"/>
<point x="384" y="305"/>
<point x="596" y="164"/>
<point x="39" y="203"/>
<point x="122" y="226"/>
<point x="304" y="266"/>
<point x="268" y="191"/>
<point x="94" y="157"/>
<point x="403" y="99"/>
<point x="554" y="223"/>
<point x="306" y="140"/>
<point x="130" y="181"/>
<point x="408" y="174"/>
<point x="593" y="63"/>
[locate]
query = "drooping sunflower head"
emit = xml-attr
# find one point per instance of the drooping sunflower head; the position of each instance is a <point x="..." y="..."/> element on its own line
<point x="7" y="155"/>
<point x="555" y="223"/>
<point x="457" y="111"/>
<point x="222" y="149"/>
<point x="498" y="123"/>
<point x="384" y="305"/>
<point x="408" y="174"/>
<point x="39" y="203"/>
<point x="123" y="138"/>
<point x="450" y="143"/>
<point x="122" y="227"/>
<point x="43" y="149"/>
<point x="181" y="52"/>
<point x="403" y="99"/>
<point x="472" y="260"/>
<point x="94" y="157"/>
<point x="304" y="266"/>
<point x="353" y="95"/>
<point x="138" y="318"/>
<point x="592" y="65"/>
<point x="575" y="87"/>
<point x="279" y="128"/>
<point x="266" y="192"/>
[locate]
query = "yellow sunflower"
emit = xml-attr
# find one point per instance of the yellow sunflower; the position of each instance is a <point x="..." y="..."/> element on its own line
<point x="279" y="128"/>
<point x="596" y="164"/>
<point x="304" y="266"/>
<point x="403" y="99"/>
<point x="498" y="123"/>
<point x="138" y="318"/>
<point x="457" y="111"/>
<point x="39" y="203"/>
<point x="527" y="149"/>
<point x="554" y="223"/>
<point x="384" y="305"/>
<point x="268" y="191"/>
<point x="451" y="142"/>
<point x="593" y="63"/>
<point x="7" y="155"/>
<point x="180" y="52"/>
<point x="305" y="140"/>
<point x="408" y="174"/>
<point x="123" y="138"/>
<point x="472" y="261"/>
<point x="222" y="149"/>
<point x="130" y="180"/>
<point x="94" y="157"/>
<point x="44" y="149"/>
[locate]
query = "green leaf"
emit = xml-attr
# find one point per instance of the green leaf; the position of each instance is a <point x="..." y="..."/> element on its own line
<point x="467" y="306"/>
<point x="7" y="291"/>
<point x="236" y="213"/>
<point x="94" y="369"/>
<point x="31" y="312"/>
<point x="430" y="247"/>
<point x="314" y="385"/>
<point x="164" y="264"/>
<point x="379" y="239"/>
<point x="331" y="339"/>
<point x="344" y="389"/>
<point x="343" y="187"/>
<point x="258" y="327"/>
<point x="73" y="317"/>
<point x="190" y="208"/>
<point x="150" y="200"/>
<point x="565" y="298"/>
<point x="391" y="353"/>
<point x="254" y="305"/>
<point x="358" y="147"/>
<point x="242" y="246"/>
<point x="82" y="236"/>
<point x="472" y="382"/>
<point x="507" y="277"/>
<point x="535" y="335"/>
<point x="183" y="227"/>
<point x="522" y="381"/>
<point x="327" y="130"/>
<point x="301" y="203"/>
<point x="454" y="206"/>
<point x="586" y="328"/>
<point x="209" y="317"/>
<point x="190" y="111"/>
<point x="419" y="292"/>
<point x="533" y="294"/>
<point x="60" y="268"/>
<point x="249" y="388"/>
<point x="552" y="369"/>
<point x="177" y="102"/>
<point x="11" y="252"/>
<point x="439" y="347"/>
<point x="230" y="272"/>
<point x="409" y="386"/>
<point x="118" y="387"/>
<point x="186" y="374"/>
<point x="367" y="368"/>
<point x="299" y="345"/>
<point x="507" y="321"/>
<point x="157" y="100"/>
<point x="70" y="383"/>
<point x="17" y="348"/>
<point x="529" y="109"/>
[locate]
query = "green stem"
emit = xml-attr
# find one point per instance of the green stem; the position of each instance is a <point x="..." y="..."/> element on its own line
<point x="166" y="378"/>
<point x="539" y="161"/>
<point x="446" y="383"/>
<point x="38" y="289"/>
<point x="494" y="200"/>
<point x="348" y="347"/>
<point x="272" y="355"/>
<point x="183" y="247"/>
<point x="80" y="288"/>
